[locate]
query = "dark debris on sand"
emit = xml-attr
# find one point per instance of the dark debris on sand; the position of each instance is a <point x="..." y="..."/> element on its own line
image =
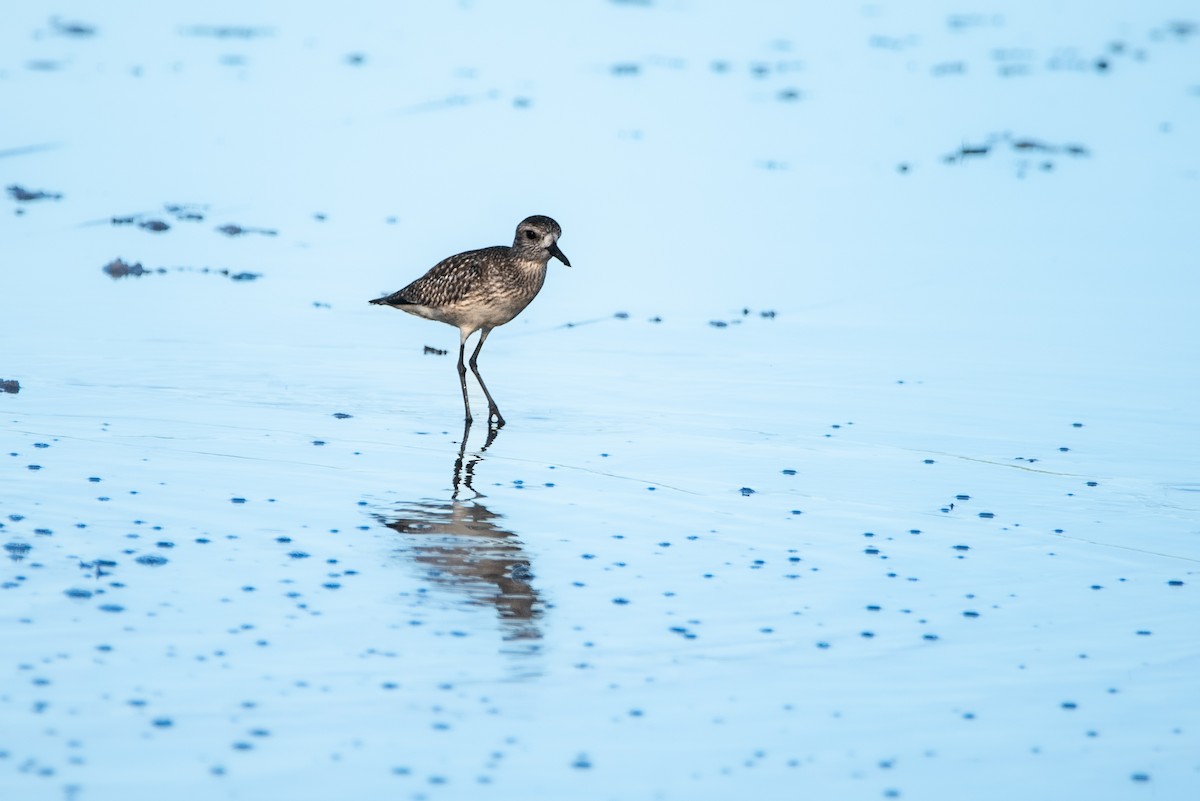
<point x="1024" y="149"/>
<point x="118" y="268"/>
<point x="183" y="212"/>
<point x="23" y="195"/>
<point x="156" y="226"/>
<point x="186" y="212"/>
<point x="236" y="230"/>
<point x="766" y="314"/>
<point x="10" y="386"/>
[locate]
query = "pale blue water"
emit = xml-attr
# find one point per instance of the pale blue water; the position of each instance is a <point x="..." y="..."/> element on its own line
<point x="702" y="561"/>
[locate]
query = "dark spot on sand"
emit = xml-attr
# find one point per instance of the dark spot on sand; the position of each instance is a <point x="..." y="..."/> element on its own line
<point x="17" y="550"/>
<point x="429" y="351"/>
<point x="10" y="386"/>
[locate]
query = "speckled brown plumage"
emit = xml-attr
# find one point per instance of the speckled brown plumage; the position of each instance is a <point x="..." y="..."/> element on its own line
<point x="481" y="289"/>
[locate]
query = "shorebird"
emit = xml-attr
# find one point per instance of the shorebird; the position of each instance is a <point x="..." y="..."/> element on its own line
<point x="481" y="289"/>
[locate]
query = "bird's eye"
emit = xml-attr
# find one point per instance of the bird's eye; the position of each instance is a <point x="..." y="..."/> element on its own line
<point x="530" y="235"/>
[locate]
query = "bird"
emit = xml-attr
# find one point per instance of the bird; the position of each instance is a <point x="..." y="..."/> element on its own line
<point x="481" y="289"/>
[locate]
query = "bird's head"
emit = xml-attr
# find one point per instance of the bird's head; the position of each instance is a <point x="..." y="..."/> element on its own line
<point x="538" y="236"/>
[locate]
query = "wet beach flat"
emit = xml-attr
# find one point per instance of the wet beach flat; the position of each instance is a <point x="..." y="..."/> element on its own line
<point x="853" y="457"/>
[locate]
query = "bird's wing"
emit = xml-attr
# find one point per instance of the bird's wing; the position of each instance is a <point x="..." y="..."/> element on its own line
<point x="448" y="282"/>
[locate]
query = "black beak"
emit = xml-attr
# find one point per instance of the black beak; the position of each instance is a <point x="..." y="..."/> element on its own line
<point x="558" y="254"/>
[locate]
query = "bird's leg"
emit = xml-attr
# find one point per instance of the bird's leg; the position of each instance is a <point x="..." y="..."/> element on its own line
<point x="494" y="415"/>
<point x="462" y="372"/>
<point x="458" y="463"/>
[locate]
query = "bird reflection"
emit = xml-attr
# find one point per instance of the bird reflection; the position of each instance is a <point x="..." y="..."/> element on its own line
<point x="462" y="546"/>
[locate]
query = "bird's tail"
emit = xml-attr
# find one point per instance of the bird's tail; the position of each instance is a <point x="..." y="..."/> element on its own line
<point x="393" y="299"/>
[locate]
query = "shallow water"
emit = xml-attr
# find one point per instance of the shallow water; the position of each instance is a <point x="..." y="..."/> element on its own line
<point x="854" y="457"/>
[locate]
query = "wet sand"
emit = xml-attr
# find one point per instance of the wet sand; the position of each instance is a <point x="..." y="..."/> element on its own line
<point x="854" y="457"/>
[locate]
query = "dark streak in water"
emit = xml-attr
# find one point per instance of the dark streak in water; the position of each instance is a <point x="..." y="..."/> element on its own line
<point x="227" y="31"/>
<point x="27" y="149"/>
<point x="452" y="101"/>
<point x="76" y="29"/>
